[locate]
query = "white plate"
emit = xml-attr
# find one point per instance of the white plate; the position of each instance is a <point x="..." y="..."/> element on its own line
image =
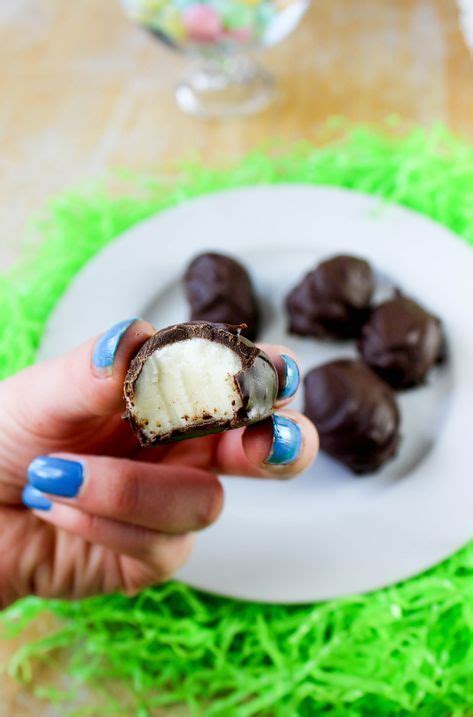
<point x="327" y="533"/>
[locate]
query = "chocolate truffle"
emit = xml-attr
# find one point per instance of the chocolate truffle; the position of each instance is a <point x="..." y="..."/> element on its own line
<point x="354" y="412"/>
<point x="401" y="342"/>
<point x="219" y="290"/>
<point x="333" y="300"/>
<point x="197" y="378"/>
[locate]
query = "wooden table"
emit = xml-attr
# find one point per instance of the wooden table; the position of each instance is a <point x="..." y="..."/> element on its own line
<point x="84" y="91"/>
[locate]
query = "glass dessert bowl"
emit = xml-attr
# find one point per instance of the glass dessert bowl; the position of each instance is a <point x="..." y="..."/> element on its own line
<point x="219" y="37"/>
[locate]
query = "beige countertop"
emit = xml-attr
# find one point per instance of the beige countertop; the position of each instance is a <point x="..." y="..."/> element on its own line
<point x="84" y="91"/>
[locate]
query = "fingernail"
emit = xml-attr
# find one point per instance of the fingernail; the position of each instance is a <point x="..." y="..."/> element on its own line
<point x="107" y="345"/>
<point x="57" y="476"/>
<point x="287" y="441"/>
<point x="34" y="499"/>
<point x="291" y="377"/>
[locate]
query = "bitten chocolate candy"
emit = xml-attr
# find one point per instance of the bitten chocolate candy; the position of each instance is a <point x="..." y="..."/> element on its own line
<point x="333" y="301"/>
<point x="197" y="378"/>
<point x="219" y="290"/>
<point x="355" y="413"/>
<point x="401" y="342"/>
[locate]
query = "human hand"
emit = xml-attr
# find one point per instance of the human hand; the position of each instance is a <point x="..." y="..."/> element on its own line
<point x="83" y="508"/>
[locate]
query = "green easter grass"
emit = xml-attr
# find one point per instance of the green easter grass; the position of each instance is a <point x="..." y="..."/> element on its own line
<point x="404" y="650"/>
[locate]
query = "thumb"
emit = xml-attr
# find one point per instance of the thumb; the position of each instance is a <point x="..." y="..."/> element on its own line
<point x="88" y="381"/>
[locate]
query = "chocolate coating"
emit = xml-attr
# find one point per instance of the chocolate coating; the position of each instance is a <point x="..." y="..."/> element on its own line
<point x="401" y="342"/>
<point x="355" y="413"/>
<point x="219" y="290"/>
<point x="256" y="383"/>
<point x="333" y="300"/>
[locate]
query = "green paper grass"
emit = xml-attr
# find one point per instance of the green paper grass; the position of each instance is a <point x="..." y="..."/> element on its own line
<point x="405" y="650"/>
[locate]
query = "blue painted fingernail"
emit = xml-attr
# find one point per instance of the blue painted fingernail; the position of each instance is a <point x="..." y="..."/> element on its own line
<point x="34" y="499"/>
<point x="291" y="378"/>
<point x="57" y="476"/>
<point x="107" y="345"/>
<point x="287" y="441"/>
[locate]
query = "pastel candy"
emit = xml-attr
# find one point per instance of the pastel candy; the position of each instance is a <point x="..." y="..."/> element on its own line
<point x="183" y="4"/>
<point x="235" y="16"/>
<point x="210" y="21"/>
<point x="265" y="14"/>
<point x="241" y="34"/>
<point x="202" y="23"/>
<point x="171" y="24"/>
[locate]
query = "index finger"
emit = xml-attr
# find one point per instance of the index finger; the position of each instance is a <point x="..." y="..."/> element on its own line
<point x="85" y="383"/>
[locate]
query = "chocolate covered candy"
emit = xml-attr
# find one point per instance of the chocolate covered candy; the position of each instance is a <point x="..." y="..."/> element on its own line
<point x="355" y="413"/>
<point x="194" y="379"/>
<point x="219" y="290"/>
<point x="401" y="342"/>
<point x="332" y="301"/>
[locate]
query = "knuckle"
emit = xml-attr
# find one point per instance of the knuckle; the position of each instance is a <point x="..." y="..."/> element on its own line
<point x="125" y="499"/>
<point x="88" y="524"/>
<point x="168" y="558"/>
<point x="214" y="504"/>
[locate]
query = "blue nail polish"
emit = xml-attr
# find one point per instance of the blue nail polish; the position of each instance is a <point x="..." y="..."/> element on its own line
<point x="287" y="441"/>
<point x="56" y="476"/>
<point x="35" y="500"/>
<point x="107" y="345"/>
<point x="292" y="377"/>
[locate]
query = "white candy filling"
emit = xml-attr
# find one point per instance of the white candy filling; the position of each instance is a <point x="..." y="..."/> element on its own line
<point x="185" y="383"/>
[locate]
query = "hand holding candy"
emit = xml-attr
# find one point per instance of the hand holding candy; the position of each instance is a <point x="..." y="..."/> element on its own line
<point x="83" y="508"/>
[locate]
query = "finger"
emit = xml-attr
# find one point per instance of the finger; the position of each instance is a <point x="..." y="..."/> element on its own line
<point x="165" y="553"/>
<point x="281" y="447"/>
<point x="287" y="367"/>
<point x="163" y="498"/>
<point x="86" y="382"/>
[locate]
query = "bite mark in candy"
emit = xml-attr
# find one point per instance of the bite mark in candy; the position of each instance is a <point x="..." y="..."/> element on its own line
<point x="194" y="379"/>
